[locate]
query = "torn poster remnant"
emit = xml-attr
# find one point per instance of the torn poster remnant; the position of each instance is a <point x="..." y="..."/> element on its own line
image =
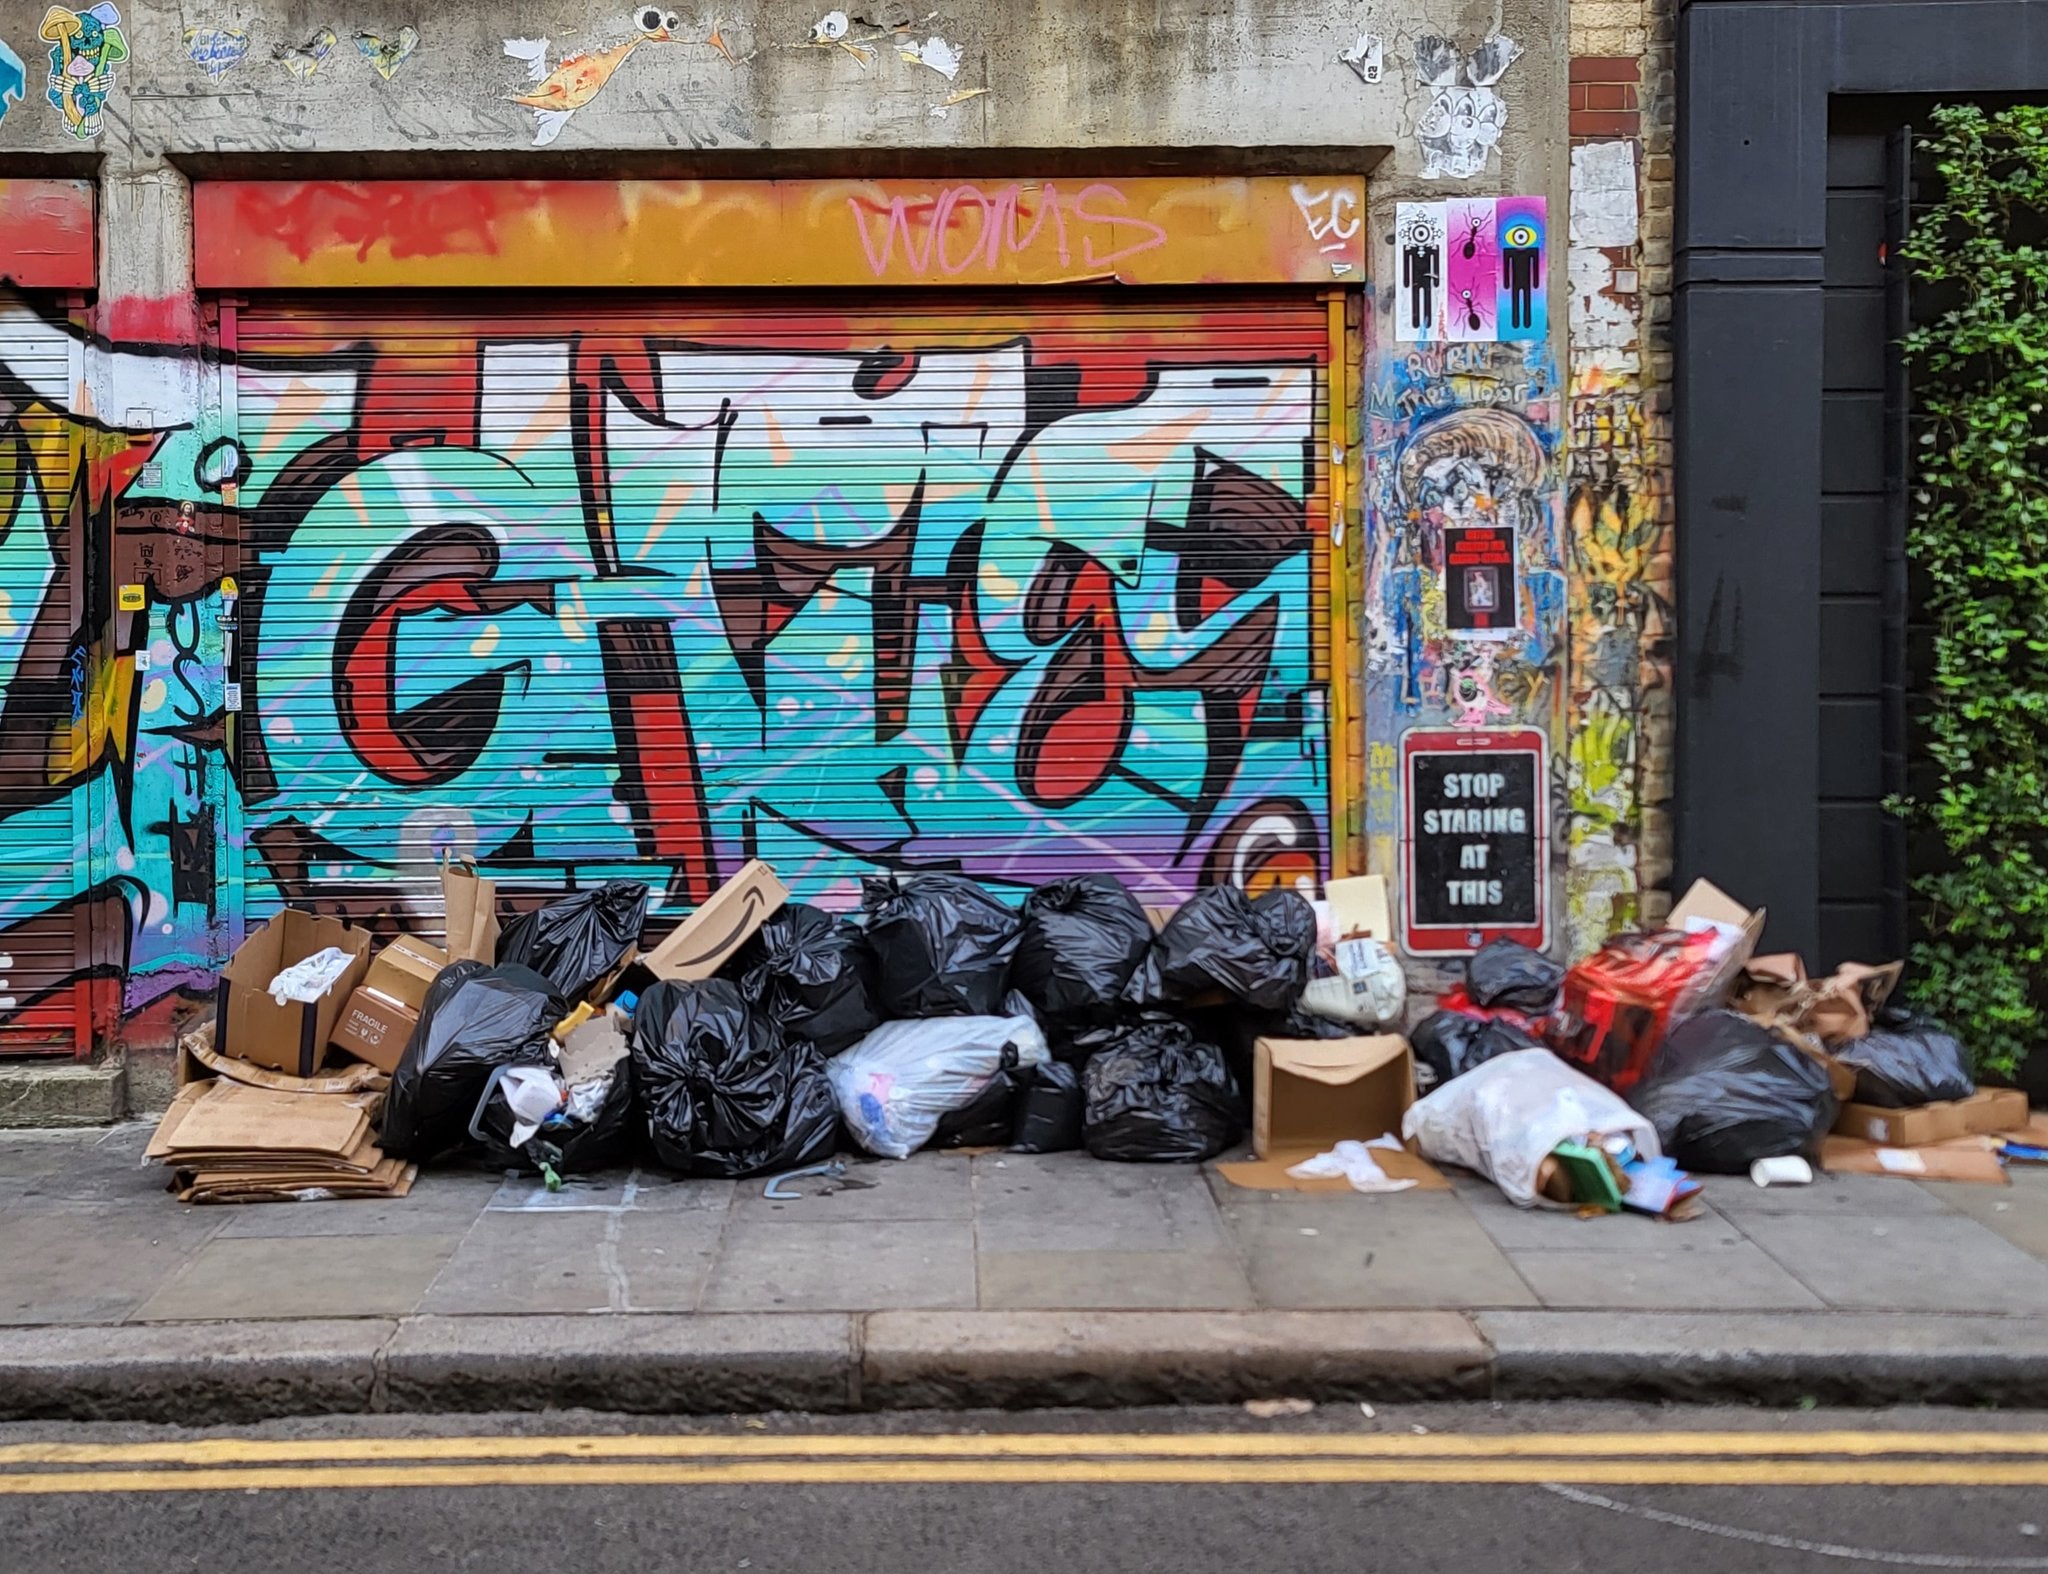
<point x="1465" y="117"/>
<point x="1364" y="57"/>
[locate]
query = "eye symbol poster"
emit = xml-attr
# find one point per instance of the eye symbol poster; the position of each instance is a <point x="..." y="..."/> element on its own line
<point x="1419" y="237"/>
<point x="1523" y="266"/>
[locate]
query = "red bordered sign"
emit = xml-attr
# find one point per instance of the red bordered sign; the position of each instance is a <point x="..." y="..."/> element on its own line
<point x="1475" y="839"/>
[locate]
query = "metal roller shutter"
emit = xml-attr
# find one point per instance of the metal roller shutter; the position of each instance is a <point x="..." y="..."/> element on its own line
<point x="45" y="912"/>
<point x="1019" y="585"/>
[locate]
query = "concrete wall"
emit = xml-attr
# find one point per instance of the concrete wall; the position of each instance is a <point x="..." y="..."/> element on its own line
<point x="374" y="88"/>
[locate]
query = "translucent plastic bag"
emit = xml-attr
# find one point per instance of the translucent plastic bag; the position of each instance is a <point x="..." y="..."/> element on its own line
<point x="1503" y="1118"/>
<point x="895" y="1084"/>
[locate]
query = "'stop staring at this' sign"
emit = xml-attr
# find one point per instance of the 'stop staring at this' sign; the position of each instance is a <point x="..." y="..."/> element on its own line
<point x="1475" y="840"/>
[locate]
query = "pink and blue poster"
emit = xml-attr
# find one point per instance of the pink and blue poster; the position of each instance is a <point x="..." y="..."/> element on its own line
<point x="1471" y="268"/>
<point x="1523" y="259"/>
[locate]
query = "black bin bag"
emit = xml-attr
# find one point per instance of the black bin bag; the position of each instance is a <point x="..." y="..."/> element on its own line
<point x="1724" y="1091"/>
<point x="1448" y="1044"/>
<point x="1257" y="950"/>
<point x="1049" y="1110"/>
<point x="577" y="940"/>
<point x="1906" y="1060"/>
<point x="942" y="946"/>
<point x="1158" y="1095"/>
<point x="984" y="1121"/>
<point x="813" y="973"/>
<point x="573" y="1144"/>
<point x="723" y="1093"/>
<point x="474" y="1020"/>
<point x="1080" y="942"/>
<point x="1504" y="972"/>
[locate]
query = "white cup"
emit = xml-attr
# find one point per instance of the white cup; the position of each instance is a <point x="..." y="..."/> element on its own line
<point x="1786" y="1170"/>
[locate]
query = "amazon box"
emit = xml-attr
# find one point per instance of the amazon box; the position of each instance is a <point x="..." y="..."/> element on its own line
<point x="291" y="1037"/>
<point x="1309" y="1094"/>
<point x="701" y="943"/>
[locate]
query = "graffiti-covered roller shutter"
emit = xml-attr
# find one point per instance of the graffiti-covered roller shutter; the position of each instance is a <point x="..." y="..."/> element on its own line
<point x="1017" y="585"/>
<point x="45" y="910"/>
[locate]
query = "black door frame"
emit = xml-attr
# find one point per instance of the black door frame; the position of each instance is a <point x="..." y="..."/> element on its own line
<point x="1754" y="83"/>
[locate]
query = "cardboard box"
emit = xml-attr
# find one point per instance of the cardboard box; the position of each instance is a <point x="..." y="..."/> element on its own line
<point x="1359" y="908"/>
<point x="699" y="945"/>
<point x="290" y="1037"/>
<point x="1708" y="903"/>
<point x="1983" y="1112"/>
<point x="1308" y="1095"/>
<point x="405" y="969"/>
<point x="199" y="1062"/>
<point x="374" y="1027"/>
<point x="1963" y="1159"/>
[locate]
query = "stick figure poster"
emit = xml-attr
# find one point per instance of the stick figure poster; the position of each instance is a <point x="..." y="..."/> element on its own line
<point x="1472" y="268"/>
<point x="1524" y="273"/>
<point x="1419" y="237"/>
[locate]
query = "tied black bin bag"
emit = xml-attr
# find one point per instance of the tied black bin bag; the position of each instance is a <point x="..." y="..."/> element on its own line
<point x="1506" y="973"/>
<point x="985" y="1120"/>
<point x="1158" y="1095"/>
<point x="1049" y="1111"/>
<point x="1907" y="1060"/>
<point x="942" y="946"/>
<point x="579" y="939"/>
<point x="474" y="1020"/>
<point x="1222" y="939"/>
<point x="1724" y="1091"/>
<point x="1081" y="940"/>
<point x="813" y="973"/>
<point x="1448" y="1044"/>
<point x="723" y="1093"/>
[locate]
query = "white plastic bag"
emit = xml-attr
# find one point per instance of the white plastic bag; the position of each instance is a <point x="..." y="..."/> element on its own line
<point x="1502" y="1119"/>
<point x="894" y="1084"/>
<point x="1370" y="990"/>
<point x="307" y="980"/>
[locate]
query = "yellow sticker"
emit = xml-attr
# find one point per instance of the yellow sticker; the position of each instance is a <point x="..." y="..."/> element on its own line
<point x="132" y="598"/>
<point x="228" y="587"/>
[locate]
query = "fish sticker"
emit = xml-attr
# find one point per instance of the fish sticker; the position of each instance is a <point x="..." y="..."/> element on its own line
<point x="579" y="78"/>
<point x="13" y="79"/>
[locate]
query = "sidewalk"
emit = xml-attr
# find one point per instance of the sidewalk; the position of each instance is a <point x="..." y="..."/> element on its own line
<point x="998" y="1278"/>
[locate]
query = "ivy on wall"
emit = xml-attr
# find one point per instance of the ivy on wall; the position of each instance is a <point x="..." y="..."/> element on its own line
<point x="1978" y="540"/>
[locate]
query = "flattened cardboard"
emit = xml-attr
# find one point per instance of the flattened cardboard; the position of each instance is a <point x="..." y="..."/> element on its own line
<point x="405" y="969"/>
<point x="1965" y="1159"/>
<point x="1986" y="1111"/>
<point x="199" y="1062"/>
<point x="233" y="1117"/>
<point x="1310" y="1094"/>
<point x="375" y="1028"/>
<point x="700" y="945"/>
<point x="291" y="1037"/>
<point x="1271" y="1174"/>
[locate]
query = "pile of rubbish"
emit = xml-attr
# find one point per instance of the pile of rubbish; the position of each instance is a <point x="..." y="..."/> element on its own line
<point x="761" y="1036"/>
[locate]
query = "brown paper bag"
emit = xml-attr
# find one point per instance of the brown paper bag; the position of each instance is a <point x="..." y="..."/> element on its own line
<point x="472" y="912"/>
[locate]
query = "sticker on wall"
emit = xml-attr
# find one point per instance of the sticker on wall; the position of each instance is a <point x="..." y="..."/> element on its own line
<point x="1471" y="269"/>
<point x="85" y="48"/>
<point x="304" y="61"/>
<point x="1480" y="599"/>
<point x="132" y="598"/>
<point x="13" y="78"/>
<point x="558" y="94"/>
<point x="1523" y="312"/>
<point x="216" y="50"/>
<point x="1365" y="57"/>
<point x="934" y="52"/>
<point x="964" y="95"/>
<point x="1465" y="117"/>
<point x="387" y="55"/>
<point x="1419" y="232"/>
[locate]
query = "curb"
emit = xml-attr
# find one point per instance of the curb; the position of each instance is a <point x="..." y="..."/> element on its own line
<point x="201" y="1374"/>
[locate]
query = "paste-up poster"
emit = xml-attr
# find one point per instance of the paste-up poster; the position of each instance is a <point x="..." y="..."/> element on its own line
<point x="1524" y="268"/>
<point x="1419" y="309"/>
<point x="1480" y="598"/>
<point x="1471" y="268"/>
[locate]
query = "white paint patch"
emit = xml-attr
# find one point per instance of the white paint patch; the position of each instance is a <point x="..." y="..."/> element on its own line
<point x="935" y="52"/>
<point x="1604" y="194"/>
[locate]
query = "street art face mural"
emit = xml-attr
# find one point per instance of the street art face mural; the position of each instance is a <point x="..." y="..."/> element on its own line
<point x="1023" y="600"/>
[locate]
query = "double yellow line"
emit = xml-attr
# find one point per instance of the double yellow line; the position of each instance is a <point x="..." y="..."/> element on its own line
<point x="1785" y="1459"/>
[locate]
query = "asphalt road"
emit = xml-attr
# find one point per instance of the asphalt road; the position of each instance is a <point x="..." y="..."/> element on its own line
<point x="1476" y="1490"/>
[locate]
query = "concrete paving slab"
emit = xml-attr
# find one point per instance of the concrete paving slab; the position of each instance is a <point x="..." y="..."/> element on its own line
<point x="1068" y="1202"/>
<point x="429" y="1210"/>
<point x="1768" y="1357"/>
<point x="1189" y="1281"/>
<point x="29" y="1153"/>
<point x="84" y="1263"/>
<point x="770" y="1266"/>
<point x="929" y="1186"/>
<point x="614" y="1191"/>
<point x="1409" y="1249"/>
<point x="1017" y="1358"/>
<point x="1742" y="1277"/>
<point x="1561" y="1229"/>
<point x="1739" y="1198"/>
<point x="309" y="1276"/>
<point x="651" y="1364"/>
<point x="578" y="1262"/>
<point x="2017" y="1213"/>
<point x="1944" y="1263"/>
<point x="108" y="1169"/>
